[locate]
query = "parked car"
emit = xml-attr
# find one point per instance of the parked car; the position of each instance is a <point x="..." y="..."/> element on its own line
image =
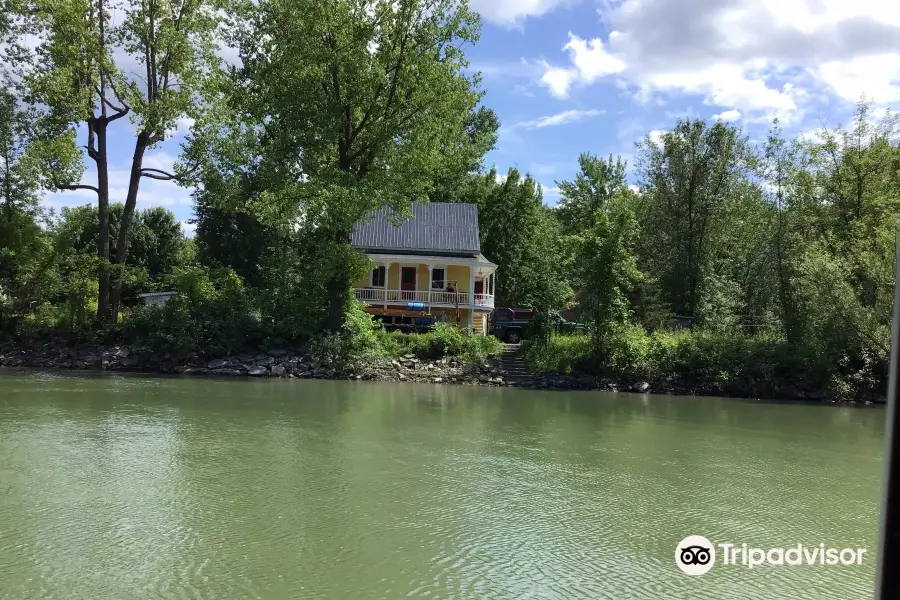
<point x="512" y="325"/>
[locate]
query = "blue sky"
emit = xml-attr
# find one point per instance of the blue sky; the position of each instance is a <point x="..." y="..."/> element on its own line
<point x="572" y="76"/>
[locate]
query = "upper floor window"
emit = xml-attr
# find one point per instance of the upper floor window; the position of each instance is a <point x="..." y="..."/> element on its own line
<point x="438" y="282"/>
<point x="379" y="276"/>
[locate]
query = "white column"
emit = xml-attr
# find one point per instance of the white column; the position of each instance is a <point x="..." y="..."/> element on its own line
<point x="471" y="297"/>
<point x="387" y="285"/>
<point x="430" y="269"/>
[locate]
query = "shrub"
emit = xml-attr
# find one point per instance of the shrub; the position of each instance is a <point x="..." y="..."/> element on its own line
<point x="442" y="340"/>
<point x="210" y="314"/>
<point x="705" y="362"/>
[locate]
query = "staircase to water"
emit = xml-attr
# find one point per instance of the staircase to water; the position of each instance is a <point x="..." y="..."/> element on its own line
<point x="516" y="372"/>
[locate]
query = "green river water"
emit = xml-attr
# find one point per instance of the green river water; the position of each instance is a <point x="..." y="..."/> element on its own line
<point x="120" y="487"/>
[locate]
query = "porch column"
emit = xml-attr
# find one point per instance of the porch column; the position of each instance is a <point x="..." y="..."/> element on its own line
<point x="430" y="268"/>
<point x="471" y="298"/>
<point x="387" y="285"/>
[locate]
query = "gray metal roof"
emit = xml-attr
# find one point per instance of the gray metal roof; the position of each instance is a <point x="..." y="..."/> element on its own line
<point x="434" y="227"/>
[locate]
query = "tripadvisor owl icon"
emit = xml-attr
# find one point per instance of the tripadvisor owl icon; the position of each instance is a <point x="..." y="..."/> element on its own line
<point x="695" y="555"/>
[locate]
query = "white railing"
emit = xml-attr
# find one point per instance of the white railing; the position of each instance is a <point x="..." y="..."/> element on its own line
<point x="424" y="296"/>
<point x="486" y="300"/>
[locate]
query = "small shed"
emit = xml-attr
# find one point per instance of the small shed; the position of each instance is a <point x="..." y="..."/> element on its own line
<point x="156" y="298"/>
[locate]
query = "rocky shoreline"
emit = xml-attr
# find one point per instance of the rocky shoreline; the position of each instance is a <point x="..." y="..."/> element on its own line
<point x="281" y="363"/>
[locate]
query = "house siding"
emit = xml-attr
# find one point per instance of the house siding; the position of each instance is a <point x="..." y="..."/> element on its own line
<point x="459" y="273"/>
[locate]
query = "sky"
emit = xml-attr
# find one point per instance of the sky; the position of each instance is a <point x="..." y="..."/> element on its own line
<point x="573" y="76"/>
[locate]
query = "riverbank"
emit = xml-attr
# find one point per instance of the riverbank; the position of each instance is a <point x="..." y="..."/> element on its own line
<point x="273" y="362"/>
<point x="292" y="363"/>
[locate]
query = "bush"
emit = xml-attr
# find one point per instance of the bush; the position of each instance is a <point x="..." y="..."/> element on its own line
<point x="362" y="337"/>
<point x="705" y="362"/>
<point x="443" y="340"/>
<point x="210" y="315"/>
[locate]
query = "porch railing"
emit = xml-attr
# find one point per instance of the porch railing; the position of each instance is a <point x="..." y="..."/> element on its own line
<point x="425" y="296"/>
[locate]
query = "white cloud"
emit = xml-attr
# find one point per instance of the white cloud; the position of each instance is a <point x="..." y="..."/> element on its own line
<point x="501" y="178"/>
<point x="511" y="13"/>
<point x="761" y="58"/>
<point x="590" y="61"/>
<point x="656" y="136"/>
<point x="876" y="76"/>
<point x="568" y="116"/>
<point x="728" y="115"/>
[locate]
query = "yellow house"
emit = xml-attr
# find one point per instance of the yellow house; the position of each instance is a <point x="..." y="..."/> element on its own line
<point x="433" y="258"/>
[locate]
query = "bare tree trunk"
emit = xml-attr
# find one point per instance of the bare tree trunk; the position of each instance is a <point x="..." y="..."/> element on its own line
<point x="134" y="183"/>
<point x="103" y="214"/>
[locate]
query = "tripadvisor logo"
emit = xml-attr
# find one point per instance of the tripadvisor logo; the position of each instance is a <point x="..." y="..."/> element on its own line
<point x="696" y="555"/>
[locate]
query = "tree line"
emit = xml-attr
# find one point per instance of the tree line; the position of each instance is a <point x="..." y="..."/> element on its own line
<point x="322" y="111"/>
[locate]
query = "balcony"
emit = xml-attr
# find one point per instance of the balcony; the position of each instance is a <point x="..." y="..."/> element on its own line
<point x="427" y="297"/>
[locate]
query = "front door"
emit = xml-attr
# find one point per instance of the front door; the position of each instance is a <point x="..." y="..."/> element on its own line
<point x="408" y="283"/>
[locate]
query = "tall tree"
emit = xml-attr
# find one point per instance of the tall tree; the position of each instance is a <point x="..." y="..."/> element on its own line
<point x="596" y="183"/>
<point x="688" y="182"/>
<point x="356" y="105"/>
<point x="73" y="71"/>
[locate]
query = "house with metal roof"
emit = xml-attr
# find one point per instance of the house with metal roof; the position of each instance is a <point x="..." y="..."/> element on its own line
<point x="430" y="261"/>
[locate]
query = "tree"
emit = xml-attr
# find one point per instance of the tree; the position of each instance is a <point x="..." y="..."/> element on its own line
<point x="156" y="245"/>
<point x="689" y="184"/>
<point x="595" y="185"/>
<point x="74" y="73"/>
<point x="600" y="212"/>
<point x="26" y="257"/>
<point x="353" y="105"/>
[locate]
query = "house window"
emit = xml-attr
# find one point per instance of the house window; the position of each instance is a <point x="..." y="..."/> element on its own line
<point x="379" y="275"/>
<point x="437" y="279"/>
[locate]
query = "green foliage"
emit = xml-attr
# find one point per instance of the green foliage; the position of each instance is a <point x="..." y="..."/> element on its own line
<point x="362" y="338"/>
<point x="604" y="265"/>
<point x="521" y="234"/>
<point x="377" y="112"/>
<point x="699" y="362"/>
<point x="210" y="315"/>
<point x="156" y="243"/>
<point x="442" y="340"/>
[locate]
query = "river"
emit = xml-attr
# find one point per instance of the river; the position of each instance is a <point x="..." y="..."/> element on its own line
<point x="118" y="487"/>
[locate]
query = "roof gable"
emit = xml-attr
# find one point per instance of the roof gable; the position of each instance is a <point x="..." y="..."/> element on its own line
<point x="434" y="227"/>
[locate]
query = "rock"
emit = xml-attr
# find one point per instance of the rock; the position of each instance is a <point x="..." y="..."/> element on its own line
<point x="128" y="362"/>
<point x="437" y="380"/>
<point x="401" y="377"/>
<point x="228" y="372"/>
<point x="277" y="370"/>
<point x="641" y="387"/>
<point x="277" y="352"/>
<point x="409" y="356"/>
<point x="217" y="363"/>
<point x="257" y="371"/>
<point x="122" y="353"/>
